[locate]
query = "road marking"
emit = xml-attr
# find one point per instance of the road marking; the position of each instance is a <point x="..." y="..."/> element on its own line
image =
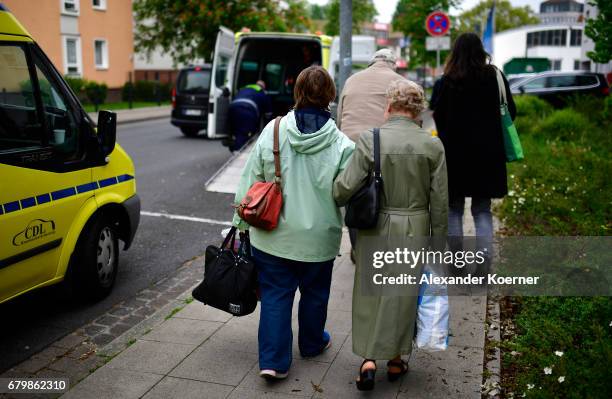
<point x="188" y="218"/>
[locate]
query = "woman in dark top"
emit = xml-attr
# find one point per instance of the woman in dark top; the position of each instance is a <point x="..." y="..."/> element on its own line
<point x="466" y="109"/>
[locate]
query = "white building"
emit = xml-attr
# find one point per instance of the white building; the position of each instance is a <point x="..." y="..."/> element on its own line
<point x="560" y="43"/>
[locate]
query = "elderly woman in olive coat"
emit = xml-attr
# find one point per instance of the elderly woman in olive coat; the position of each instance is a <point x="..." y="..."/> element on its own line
<point x="414" y="203"/>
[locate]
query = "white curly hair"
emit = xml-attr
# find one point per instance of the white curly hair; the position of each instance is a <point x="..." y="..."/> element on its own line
<point x="406" y="96"/>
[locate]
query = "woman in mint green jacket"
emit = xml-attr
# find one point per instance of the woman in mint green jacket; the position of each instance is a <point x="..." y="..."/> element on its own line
<point x="300" y="252"/>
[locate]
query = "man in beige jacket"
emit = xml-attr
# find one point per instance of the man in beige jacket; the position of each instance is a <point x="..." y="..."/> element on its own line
<point x="362" y="102"/>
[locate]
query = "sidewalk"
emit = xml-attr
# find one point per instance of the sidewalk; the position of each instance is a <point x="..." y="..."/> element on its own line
<point x="200" y="352"/>
<point x="138" y="114"/>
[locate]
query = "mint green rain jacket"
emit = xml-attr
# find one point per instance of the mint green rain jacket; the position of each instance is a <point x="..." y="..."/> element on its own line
<point x="310" y="225"/>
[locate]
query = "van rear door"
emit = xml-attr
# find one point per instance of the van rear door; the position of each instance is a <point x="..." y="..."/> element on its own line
<point x="220" y="88"/>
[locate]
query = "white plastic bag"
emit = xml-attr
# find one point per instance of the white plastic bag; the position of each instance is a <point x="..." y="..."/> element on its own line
<point x="432" y="317"/>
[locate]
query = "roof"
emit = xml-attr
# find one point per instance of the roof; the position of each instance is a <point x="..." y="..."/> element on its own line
<point x="324" y="38"/>
<point x="9" y="25"/>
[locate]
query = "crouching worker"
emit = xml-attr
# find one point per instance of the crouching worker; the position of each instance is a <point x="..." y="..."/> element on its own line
<point x="245" y="112"/>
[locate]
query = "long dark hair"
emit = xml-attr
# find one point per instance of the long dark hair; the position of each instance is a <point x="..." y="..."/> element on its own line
<point x="467" y="59"/>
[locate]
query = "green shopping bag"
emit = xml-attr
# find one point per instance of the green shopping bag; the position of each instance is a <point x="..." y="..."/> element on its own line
<point x="512" y="143"/>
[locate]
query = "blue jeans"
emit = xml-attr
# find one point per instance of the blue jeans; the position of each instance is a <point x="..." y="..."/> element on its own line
<point x="483" y="222"/>
<point x="279" y="278"/>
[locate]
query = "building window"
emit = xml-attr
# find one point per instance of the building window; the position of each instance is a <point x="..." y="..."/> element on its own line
<point x="72" y="56"/>
<point x="554" y="37"/>
<point x="576" y="37"/>
<point x="555" y="65"/>
<point x="98" y="4"/>
<point x="101" y="54"/>
<point x="70" y="7"/>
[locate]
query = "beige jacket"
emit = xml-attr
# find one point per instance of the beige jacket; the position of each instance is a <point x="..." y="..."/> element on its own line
<point x="362" y="102"/>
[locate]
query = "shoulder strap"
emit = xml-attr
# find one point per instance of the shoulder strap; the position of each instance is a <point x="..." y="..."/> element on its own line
<point x="275" y="150"/>
<point x="501" y="86"/>
<point x="376" y="133"/>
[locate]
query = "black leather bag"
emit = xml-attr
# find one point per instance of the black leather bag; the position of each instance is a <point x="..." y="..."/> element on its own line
<point x="230" y="277"/>
<point x="362" y="209"/>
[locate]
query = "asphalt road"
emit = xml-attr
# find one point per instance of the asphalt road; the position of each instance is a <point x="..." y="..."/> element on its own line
<point x="171" y="171"/>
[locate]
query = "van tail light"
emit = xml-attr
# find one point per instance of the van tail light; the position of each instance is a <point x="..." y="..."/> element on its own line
<point x="605" y="90"/>
<point x="174" y="97"/>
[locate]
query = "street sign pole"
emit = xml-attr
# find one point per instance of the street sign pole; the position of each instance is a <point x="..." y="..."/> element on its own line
<point x="346" y="32"/>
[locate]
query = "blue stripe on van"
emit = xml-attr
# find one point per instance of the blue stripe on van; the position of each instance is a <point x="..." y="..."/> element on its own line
<point x="11" y="207"/>
<point x="43" y="199"/>
<point x="28" y="202"/>
<point x="40" y="199"/>
<point x="83" y="188"/>
<point x="65" y="193"/>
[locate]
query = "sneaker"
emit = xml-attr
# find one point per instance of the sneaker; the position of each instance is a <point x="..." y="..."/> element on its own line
<point x="327" y="339"/>
<point x="269" y="374"/>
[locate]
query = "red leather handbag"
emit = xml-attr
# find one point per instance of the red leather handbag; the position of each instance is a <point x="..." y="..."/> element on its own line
<point x="262" y="204"/>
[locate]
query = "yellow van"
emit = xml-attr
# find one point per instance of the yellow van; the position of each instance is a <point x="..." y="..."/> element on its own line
<point x="276" y="58"/>
<point x="67" y="191"/>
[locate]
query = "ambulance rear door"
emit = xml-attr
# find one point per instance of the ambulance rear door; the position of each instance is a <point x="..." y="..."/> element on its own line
<point x="220" y="89"/>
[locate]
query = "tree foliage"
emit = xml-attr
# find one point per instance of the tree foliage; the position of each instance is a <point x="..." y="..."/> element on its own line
<point x="409" y="18"/>
<point x="363" y="11"/>
<point x="187" y="29"/>
<point x="506" y="16"/>
<point x="599" y="29"/>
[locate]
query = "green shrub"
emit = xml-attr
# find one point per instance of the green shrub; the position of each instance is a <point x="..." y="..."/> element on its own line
<point x="145" y="90"/>
<point x="565" y="124"/>
<point x="531" y="107"/>
<point x="96" y="93"/>
<point x="77" y="85"/>
<point x="569" y="337"/>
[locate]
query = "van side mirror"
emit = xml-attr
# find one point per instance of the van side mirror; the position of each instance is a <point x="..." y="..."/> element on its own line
<point x="226" y="92"/>
<point x="522" y="89"/>
<point x="107" y="131"/>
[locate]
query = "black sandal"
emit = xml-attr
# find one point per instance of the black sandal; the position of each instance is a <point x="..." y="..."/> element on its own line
<point x="366" y="377"/>
<point x="394" y="363"/>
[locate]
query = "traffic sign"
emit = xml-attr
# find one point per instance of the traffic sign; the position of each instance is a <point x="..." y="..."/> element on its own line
<point x="437" y="23"/>
<point x="434" y="43"/>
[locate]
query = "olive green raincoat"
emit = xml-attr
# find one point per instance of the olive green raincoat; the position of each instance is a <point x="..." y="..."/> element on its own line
<point x="414" y="204"/>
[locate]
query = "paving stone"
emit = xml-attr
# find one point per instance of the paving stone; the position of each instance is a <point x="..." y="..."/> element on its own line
<point x="467" y="308"/>
<point x="302" y="375"/>
<point x="183" y="331"/>
<point x="102" y="339"/>
<point x="119" y="329"/>
<point x="85" y="349"/>
<point x="339" y="381"/>
<point x="135" y="303"/>
<point x="74" y="369"/>
<point x="221" y="366"/>
<point x="93" y="329"/>
<point x="120" y="311"/>
<point x="235" y="336"/>
<point x="145" y="311"/>
<point x="466" y="333"/>
<point x="33" y="364"/>
<point x="249" y="393"/>
<point x="107" y="320"/>
<point x="340" y="300"/>
<point x="148" y="294"/>
<point x="70" y="341"/>
<point x="158" y="303"/>
<point x="178" y="388"/>
<point x="151" y="357"/>
<point x="438" y="386"/>
<point x="339" y="321"/>
<point x="110" y="383"/>
<point x="453" y="361"/>
<point x="132" y="320"/>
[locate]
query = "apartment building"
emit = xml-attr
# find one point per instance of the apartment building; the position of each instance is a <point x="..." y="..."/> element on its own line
<point x="92" y="39"/>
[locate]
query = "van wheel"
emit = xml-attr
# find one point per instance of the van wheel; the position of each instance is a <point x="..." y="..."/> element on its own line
<point x="190" y="131"/>
<point x="96" y="259"/>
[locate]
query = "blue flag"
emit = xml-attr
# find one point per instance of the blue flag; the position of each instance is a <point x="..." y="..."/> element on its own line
<point x="487" y="36"/>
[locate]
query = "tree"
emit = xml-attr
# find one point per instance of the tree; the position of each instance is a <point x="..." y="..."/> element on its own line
<point x="409" y="18"/>
<point x="363" y="11"/>
<point x="187" y="29"/>
<point x="506" y="16"/>
<point x="599" y="29"/>
<point x="317" y="12"/>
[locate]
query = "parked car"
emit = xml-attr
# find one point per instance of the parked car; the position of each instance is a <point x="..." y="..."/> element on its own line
<point x="67" y="191"/>
<point x="190" y="99"/>
<point x="517" y="77"/>
<point x="558" y="87"/>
